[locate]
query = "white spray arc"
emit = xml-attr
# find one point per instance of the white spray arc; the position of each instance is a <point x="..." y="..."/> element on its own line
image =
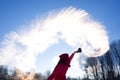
<point x="79" y="30"/>
<point x="20" y="49"/>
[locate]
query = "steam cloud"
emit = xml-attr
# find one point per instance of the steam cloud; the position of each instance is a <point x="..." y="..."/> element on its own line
<point x="20" y="48"/>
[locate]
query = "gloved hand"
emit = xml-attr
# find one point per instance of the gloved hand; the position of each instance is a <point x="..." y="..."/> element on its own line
<point x="79" y="50"/>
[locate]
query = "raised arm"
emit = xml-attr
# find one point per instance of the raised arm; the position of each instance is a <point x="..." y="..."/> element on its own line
<point x="72" y="55"/>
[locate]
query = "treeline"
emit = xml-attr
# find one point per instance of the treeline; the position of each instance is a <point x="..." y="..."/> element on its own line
<point x="106" y="67"/>
<point x="8" y="74"/>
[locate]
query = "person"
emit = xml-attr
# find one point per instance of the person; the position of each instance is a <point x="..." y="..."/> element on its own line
<point x="59" y="73"/>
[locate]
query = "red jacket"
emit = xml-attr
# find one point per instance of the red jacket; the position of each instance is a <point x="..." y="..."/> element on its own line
<point x="61" y="68"/>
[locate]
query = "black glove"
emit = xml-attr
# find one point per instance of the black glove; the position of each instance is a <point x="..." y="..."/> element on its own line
<point x="79" y="50"/>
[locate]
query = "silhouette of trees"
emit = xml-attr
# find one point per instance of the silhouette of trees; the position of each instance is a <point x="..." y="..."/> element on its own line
<point x="39" y="76"/>
<point x="106" y="67"/>
<point x="3" y="72"/>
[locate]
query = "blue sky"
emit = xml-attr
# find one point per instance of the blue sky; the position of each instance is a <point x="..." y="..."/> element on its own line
<point x="17" y="13"/>
<point x="14" y="14"/>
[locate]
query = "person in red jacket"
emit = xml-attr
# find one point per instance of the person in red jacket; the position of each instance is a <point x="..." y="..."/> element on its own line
<point x="59" y="73"/>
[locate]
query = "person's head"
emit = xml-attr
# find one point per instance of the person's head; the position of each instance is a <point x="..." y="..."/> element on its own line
<point x="64" y="56"/>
